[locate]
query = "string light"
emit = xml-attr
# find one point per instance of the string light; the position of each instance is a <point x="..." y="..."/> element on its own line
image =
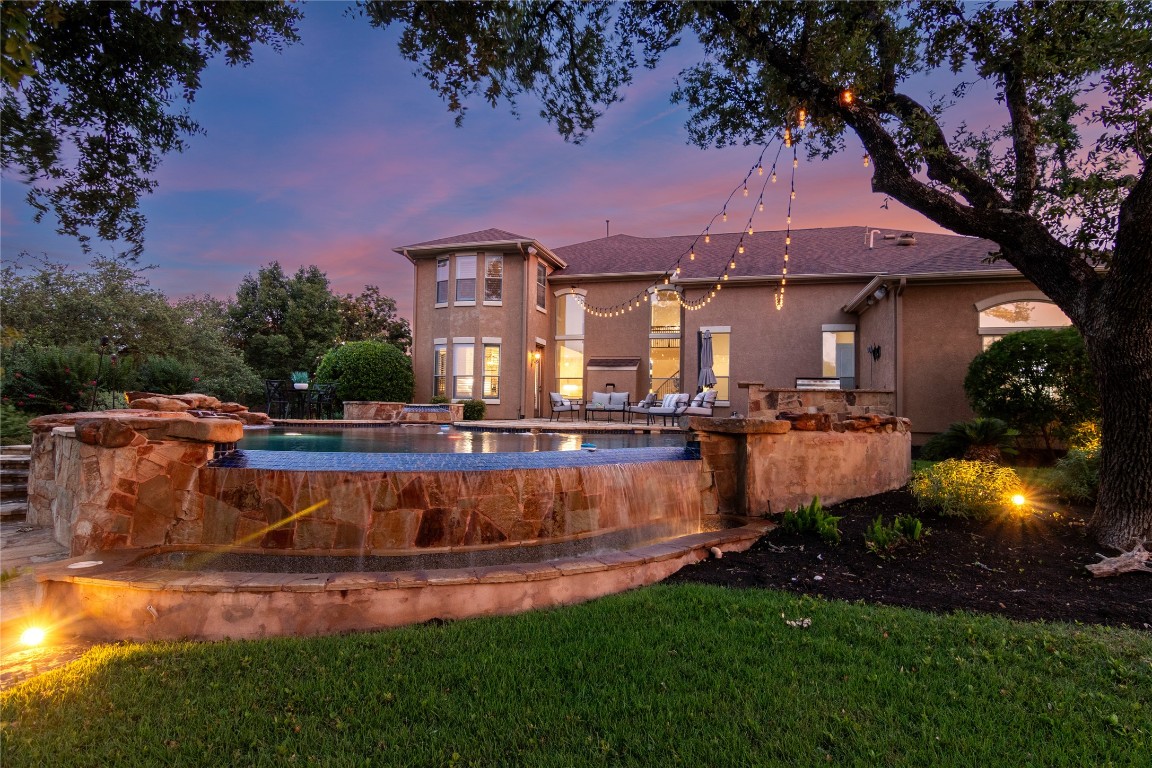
<point x="732" y="264"/>
<point x="759" y="169"/>
<point x="773" y="177"/>
<point x="801" y="117"/>
<point x="707" y="239"/>
<point x="745" y="189"/>
<point x="867" y="160"/>
<point x="787" y="137"/>
<point x="692" y="255"/>
<point x="740" y="249"/>
<point x="761" y="205"/>
<point x="847" y="96"/>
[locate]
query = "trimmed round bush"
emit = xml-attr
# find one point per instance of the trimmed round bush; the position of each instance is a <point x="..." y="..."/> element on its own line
<point x="167" y="376"/>
<point x="965" y="488"/>
<point x="368" y="370"/>
<point x="474" y="410"/>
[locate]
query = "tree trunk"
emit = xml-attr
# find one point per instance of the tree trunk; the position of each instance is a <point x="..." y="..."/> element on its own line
<point x="1119" y="343"/>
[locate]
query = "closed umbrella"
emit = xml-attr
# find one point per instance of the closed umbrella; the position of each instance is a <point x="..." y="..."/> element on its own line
<point x="707" y="377"/>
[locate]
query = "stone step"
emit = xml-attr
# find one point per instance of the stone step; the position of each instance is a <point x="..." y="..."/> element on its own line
<point x="13" y="492"/>
<point x="11" y="509"/>
<point x="14" y="473"/>
<point x="15" y="460"/>
<point x="14" y="450"/>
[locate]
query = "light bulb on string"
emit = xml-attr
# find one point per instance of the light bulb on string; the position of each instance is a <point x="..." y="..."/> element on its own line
<point x="761" y="206"/>
<point x="692" y="255"/>
<point x="740" y="248"/>
<point x="759" y="169"/>
<point x="773" y="177"/>
<point x="801" y="118"/>
<point x="847" y="96"/>
<point x="787" y="137"/>
<point x="867" y="160"/>
<point x="725" y="275"/>
<point x="750" y="230"/>
<point x="787" y="240"/>
<point x="732" y="264"/>
<point x="745" y="189"/>
<point x="793" y="195"/>
<point x="724" y="213"/>
<point x="707" y="239"/>
<point x="795" y="163"/>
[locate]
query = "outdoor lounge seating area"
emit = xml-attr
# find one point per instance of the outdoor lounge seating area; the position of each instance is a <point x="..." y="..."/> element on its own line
<point x="607" y="403"/>
<point x="282" y="400"/>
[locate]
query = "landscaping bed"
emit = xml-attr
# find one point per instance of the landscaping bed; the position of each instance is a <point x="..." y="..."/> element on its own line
<point x="1028" y="568"/>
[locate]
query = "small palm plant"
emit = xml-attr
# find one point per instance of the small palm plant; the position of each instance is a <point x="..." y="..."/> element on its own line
<point x="983" y="439"/>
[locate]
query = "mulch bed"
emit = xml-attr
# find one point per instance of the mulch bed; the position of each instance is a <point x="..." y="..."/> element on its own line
<point x="1029" y="568"/>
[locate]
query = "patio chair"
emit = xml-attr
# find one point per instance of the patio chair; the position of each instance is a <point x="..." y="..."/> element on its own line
<point x="672" y="405"/>
<point x="561" y="404"/>
<point x="277" y="400"/>
<point x="321" y="401"/>
<point x="641" y="407"/>
<point x="701" y="405"/>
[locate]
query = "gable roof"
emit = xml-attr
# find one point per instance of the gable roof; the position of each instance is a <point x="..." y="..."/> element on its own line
<point x="831" y="251"/>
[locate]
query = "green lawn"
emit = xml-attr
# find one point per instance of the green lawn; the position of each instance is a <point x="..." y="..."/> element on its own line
<point x="665" y="675"/>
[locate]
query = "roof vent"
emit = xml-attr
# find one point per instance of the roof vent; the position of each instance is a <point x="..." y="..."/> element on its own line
<point x="908" y="238"/>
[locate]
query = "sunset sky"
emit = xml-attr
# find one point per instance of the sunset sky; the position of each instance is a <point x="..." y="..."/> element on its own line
<point x="332" y="153"/>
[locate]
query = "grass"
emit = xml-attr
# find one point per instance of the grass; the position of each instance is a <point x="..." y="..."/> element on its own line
<point x="666" y="675"/>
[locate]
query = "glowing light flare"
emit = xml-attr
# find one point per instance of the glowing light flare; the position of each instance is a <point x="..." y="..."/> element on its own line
<point x="847" y="97"/>
<point x="33" y="636"/>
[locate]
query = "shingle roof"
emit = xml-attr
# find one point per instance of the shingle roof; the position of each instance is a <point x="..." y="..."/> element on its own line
<point x="825" y="251"/>
<point x="483" y="236"/>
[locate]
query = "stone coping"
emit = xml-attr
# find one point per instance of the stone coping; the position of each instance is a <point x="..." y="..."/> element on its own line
<point x="116" y="599"/>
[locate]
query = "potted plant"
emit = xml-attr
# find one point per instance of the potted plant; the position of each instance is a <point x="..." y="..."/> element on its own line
<point x="300" y="379"/>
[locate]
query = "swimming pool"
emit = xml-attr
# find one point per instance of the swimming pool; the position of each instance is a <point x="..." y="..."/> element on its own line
<point x="433" y="439"/>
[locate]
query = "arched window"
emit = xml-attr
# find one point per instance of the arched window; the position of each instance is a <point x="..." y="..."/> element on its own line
<point x="570" y="341"/>
<point x="1011" y="312"/>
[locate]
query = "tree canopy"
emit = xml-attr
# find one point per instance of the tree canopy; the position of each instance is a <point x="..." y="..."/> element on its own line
<point x="92" y="96"/>
<point x="1062" y="185"/>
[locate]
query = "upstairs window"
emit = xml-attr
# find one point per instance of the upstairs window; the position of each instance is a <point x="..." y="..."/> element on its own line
<point x="441" y="281"/>
<point x="665" y="313"/>
<point x="465" y="278"/>
<point x="493" y="278"/>
<point x="541" y="285"/>
<point x="440" y="371"/>
<point x="570" y="316"/>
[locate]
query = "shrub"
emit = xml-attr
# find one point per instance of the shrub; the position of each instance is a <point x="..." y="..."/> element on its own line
<point x="474" y="410"/>
<point x="439" y="400"/>
<point x="982" y="439"/>
<point x="60" y="379"/>
<point x="885" y="539"/>
<point x="167" y="376"/>
<point x="1077" y="475"/>
<point x="368" y="370"/>
<point x="14" y="426"/>
<point x="813" y="519"/>
<point x="965" y="488"/>
<point x="1038" y="381"/>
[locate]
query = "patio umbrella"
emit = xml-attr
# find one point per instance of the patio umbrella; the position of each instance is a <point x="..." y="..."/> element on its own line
<point x="707" y="377"/>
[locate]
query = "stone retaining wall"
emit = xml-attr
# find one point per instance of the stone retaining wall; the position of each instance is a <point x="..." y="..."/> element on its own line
<point x="769" y="403"/>
<point x="370" y="410"/>
<point x="762" y="467"/>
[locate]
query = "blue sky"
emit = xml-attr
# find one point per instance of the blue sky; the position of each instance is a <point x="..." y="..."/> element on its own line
<point x="333" y="153"/>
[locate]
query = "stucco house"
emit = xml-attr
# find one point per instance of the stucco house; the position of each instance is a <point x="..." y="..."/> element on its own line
<point x="507" y="319"/>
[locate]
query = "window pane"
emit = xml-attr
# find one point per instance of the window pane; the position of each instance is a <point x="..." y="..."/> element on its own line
<point x="541" y="285"/>
<point x="665" y="312"/>
<point x="494" y="278"/>
<point x="465" y="278"/>
<point x="463" y="357"/>
<point x="442" y="281"/>
<point x="570" y="368"/>
<point x="491" y="371"/>
<point x="440" y="372"/>
<point x="839" y="357"/>
<point x="1021" y="315"/>
<point x="664" y="366"/>
<point x="721" y="362"/>
<point x="569" y="316"/>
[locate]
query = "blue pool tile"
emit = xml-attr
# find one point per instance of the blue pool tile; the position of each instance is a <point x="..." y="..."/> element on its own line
<point x="423" y="462"/>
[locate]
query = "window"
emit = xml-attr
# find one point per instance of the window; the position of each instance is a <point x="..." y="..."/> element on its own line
<point x="463" y="358"/>
<point x="570" y="316"/>
<point x="839" y="354"/>
<point x="541" y="285"/>
<point x="465" y="278"/>
<point x="440" y="371"/>
<point x="721" y="361"/>
<point x="665" y="312"/>
<point x="491" y="383"/>
<point x="570" y="367"/>
<point x="493" y="279"/>
<point x="999" y="319"/>
<point x="441" y="281"/>
<point x="664" y="365"/>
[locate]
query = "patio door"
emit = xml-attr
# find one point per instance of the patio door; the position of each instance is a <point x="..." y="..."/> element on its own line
<point x="538" y="382"/>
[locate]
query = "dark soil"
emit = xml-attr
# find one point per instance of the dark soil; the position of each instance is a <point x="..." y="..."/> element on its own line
<point x="1029" y="568"/>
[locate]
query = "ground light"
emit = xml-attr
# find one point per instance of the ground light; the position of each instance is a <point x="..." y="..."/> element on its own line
<point x="33" y="636"/>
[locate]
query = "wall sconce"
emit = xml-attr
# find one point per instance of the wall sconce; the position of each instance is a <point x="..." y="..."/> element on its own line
<point x="535" y="358"/>
<point x="874" y="350"/>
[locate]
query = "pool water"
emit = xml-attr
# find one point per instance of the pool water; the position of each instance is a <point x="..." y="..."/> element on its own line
<point x="433" y="439"/>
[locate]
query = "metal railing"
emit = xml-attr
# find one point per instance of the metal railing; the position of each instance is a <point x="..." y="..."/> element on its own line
<point x="668" y="386"/>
